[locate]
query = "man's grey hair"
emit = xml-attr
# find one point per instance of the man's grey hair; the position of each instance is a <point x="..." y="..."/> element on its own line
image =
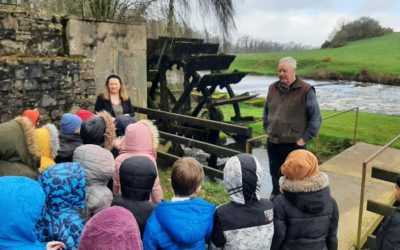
<point x="289" y="60"/>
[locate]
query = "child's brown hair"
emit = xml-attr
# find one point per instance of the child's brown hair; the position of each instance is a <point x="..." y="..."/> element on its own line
<point x="187" y="175"/>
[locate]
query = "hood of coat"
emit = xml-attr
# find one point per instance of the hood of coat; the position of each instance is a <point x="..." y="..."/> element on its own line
<point x="18" y="141"/>
<point x="64" y="185"/>
<point x="242" y="178"/>
<point x="98" y="163"/>
<point x="186" y="221"/>
<point x="141" y="137"/>
<point x="121" y="122"/>
<point x="99" y="130"/>
<point x="18" y="219"/>
<point x="111" y="228"/>
<point x="310" y="195"/>
<point x="48" y="143"/>
<point x="137" y="176"/>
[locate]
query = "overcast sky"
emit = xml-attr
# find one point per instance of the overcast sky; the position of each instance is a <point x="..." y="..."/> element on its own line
<point x="307" y="21"/>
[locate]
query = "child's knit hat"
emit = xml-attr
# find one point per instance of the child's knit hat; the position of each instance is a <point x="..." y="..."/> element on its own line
<point x="300" y="164"/>
<point x="69" y="123"/>
<point x="84" y="114"/>
<point x="33" y="115"/>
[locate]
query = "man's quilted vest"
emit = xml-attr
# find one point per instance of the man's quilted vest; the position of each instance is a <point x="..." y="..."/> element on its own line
<point x="287" y="111"/>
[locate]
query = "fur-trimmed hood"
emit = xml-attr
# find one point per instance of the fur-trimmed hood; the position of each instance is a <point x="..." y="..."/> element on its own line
<point x="18" y="148"/>
<point x="29" y="131"/>
<point x="141" y="137"/>
<point x="99" y="130"/>
<point x="309" y="195"/>
<point x="48" y="141"/>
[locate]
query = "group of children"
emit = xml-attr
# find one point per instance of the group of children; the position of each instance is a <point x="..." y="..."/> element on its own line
<point x="95" y="188"/>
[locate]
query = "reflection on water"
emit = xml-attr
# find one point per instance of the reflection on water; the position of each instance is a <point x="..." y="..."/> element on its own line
<point x="372" y="98"/>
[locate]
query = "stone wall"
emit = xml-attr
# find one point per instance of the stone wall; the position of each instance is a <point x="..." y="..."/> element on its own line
<point x="55" y="63"/>
<point x="116" y="47"/>
<point x="51" y="85"/>
<point x="23" y="32"/>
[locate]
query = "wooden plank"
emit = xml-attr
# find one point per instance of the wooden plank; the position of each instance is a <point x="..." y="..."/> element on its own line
<point x="383" y="174"/>
<point x="190" y="48"/>
<point x="207" y="147"/>
<point x="226" y="101"/>
<point x="209" y="171"/>
<point x="221" y="79"/>
<point x="370" y="244"/>
<point x="209" y="62"/>
<point x="225" y="127"/>
<point x="379" y="207"/>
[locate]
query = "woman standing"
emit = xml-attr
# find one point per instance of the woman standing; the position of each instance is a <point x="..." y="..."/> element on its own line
<point x="115" y="99"/>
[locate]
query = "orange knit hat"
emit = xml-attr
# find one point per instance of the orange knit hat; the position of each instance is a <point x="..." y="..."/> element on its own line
<point x="300" y="164"/>
<point x="33" y="115"/>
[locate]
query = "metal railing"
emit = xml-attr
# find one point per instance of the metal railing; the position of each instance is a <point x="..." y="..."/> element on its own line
<point x="250" y="142"/>
<point x="317" y="140"/>
<point x="362" y="194"/>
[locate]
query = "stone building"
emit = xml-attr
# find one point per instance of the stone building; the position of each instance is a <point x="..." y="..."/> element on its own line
<point x="56" y="63"/>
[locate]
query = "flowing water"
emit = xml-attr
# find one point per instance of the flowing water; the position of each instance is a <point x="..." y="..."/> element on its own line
<point x="336" y="95"/>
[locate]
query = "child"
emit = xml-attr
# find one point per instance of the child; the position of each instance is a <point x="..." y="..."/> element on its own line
<point x="99" y="166"/>
<point x="22" y="201"/>
<point x="18" y="148"/>
<point x="141" y="139"/>
<point x="48" y="145"/>
<point x="33" y="115"/>
<point x="388" y="238"/>
<point x="137" y="176"/>
<point x="70" y="139"/>
<point x="305" y="214"/>
<point x="64" y="185"/>
<point x="99" y="130"/>
<point x="185" y="222"/>
<point x="232" y="227"/>
<point x="84" y="114"/>
<point x="112" y="228"/>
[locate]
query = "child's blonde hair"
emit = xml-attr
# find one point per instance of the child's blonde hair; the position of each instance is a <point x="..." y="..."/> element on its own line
<point x="187" y="175"/>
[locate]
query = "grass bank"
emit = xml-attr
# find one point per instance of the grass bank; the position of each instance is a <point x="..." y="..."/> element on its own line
<point x="336" y="133"/>
<point x="372" y="60"/>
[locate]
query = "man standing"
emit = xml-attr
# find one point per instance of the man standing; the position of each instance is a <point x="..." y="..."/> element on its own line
<point x="291" y="117"/>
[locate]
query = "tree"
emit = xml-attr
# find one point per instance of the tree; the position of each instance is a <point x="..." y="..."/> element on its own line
<point x="362" y="28"/>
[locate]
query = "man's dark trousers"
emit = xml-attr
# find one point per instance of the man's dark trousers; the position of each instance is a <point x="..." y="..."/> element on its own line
<point x="277" y="154"/>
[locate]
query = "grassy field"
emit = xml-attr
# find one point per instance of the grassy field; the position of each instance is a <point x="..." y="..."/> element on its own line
<point x="375" y="129"/>
<point x="379" y="56"/>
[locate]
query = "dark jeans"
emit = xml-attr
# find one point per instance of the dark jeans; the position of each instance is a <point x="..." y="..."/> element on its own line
<point x="277" y="154"/>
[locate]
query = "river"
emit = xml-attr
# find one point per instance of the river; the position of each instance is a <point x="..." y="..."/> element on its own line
<point x="336" y="95"/>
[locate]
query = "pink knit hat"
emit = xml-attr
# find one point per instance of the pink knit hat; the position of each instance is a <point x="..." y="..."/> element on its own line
<point x="112" y="228"/>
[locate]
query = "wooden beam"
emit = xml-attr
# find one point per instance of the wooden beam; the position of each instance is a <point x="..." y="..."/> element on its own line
<point x="379" y="207"/>
<point x="209" y="171"/>
<point x="194" y="121"/>
<point x="383" y="174"/>
<point x="207" y="147"/>
<point x="370" y="244"/>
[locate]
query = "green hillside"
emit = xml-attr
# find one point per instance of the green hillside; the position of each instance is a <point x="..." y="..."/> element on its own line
<point x="378" y="57"/>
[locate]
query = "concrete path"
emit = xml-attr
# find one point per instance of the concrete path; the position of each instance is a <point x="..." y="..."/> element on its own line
<point x="345" y="173"/>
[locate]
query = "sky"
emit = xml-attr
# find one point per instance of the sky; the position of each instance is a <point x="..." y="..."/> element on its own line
<point x="308" y="22"/>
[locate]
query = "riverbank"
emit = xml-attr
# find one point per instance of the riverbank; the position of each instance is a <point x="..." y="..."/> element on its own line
<point x="369" y="60"/>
